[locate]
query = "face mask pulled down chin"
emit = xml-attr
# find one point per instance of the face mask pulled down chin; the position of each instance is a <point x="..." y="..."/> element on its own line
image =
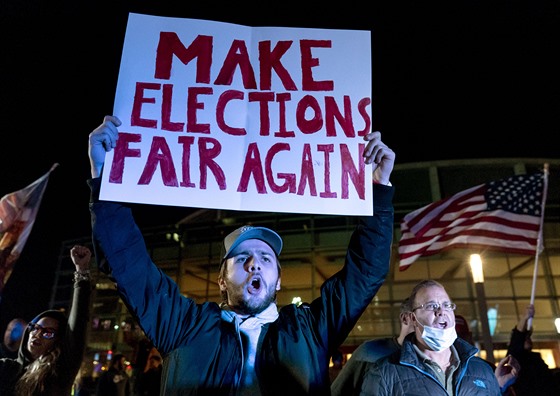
<point x="438" y="339"/>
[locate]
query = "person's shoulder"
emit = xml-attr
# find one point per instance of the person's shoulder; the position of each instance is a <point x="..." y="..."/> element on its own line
<point x="363" y="348"/>
<point x="10" y="364"/>
<point x="379" y="342"/>
<point x="374" y="349"/>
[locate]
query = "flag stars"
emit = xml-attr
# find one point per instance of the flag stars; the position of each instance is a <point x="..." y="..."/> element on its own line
<point x="517" y="194"/>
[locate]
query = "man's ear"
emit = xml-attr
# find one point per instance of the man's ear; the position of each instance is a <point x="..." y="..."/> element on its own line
<point x="412" y="318"/>
<point x="278" y="284"/>
<point x="405" y="318"/>
<point x="222" y="283"/>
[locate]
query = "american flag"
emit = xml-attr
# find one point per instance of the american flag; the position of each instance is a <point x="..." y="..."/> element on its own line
<point x="502" y="215"/>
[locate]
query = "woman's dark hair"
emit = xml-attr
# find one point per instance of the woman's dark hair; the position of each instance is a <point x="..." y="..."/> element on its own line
<point x="42" y="370"/>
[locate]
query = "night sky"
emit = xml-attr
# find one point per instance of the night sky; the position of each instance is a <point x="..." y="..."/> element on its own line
<point x="451" y="80"/>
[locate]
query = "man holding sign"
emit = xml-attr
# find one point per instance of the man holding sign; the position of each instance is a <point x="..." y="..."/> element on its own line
<point x="246" y="345"/>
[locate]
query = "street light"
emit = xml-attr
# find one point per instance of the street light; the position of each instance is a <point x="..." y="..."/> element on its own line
<point x="476" y="268"/>
<point x="478" y="278"/>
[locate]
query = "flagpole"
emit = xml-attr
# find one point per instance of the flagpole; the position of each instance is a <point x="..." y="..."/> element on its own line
<point x="539" y="242"/>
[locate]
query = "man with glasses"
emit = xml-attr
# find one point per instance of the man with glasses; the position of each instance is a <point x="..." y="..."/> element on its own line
<point x="433" y="360"/>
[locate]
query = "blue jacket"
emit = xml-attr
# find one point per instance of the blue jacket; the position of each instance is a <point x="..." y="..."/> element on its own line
<point x="403" y="373"/>
<point x="202" y="350"/>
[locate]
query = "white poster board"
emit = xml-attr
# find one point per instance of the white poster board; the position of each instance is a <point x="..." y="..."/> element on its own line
<point x="224" y="116"/>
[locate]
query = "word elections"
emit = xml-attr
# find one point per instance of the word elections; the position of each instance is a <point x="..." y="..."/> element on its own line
<point x="261" y="172"/>
<point x="311" y="113"/>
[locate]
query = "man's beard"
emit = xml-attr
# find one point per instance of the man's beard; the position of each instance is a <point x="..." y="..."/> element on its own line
<point x="252" y="305"/>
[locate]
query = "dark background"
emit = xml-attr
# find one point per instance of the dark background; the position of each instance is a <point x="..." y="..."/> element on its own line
<point x="451" y="80"/>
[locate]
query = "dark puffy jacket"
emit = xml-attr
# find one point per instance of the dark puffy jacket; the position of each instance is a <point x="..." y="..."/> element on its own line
<point x="403" y="373"/>
<point x="202" y="351"/>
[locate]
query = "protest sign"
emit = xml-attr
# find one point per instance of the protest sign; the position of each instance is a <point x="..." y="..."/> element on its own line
<point x="225" y="116"/>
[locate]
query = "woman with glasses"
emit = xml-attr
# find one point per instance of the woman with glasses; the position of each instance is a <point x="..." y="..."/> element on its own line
<point x="433" y="360"/>
<point x="53" y="344"/>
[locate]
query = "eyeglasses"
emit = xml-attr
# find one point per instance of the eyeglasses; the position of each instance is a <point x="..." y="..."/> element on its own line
<point x="47" y="333"/>
<point x="434" y="306"/>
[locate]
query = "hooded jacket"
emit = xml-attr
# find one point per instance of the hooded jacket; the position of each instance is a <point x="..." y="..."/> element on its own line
<point x="72" y="338"/>
<point x="202" y="349"/>
<point x="404" y="373"/>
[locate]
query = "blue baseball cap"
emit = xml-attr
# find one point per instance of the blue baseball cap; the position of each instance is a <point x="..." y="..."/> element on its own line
<point x="249" y="232"/>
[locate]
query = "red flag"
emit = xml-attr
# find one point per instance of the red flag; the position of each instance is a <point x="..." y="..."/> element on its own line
<point x="18" y="211"/>
<point x="501" y="215"/>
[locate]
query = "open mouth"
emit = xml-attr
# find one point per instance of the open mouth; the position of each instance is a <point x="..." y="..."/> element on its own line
<point x="441" y="324"/>
<point x="255" y="285"/>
